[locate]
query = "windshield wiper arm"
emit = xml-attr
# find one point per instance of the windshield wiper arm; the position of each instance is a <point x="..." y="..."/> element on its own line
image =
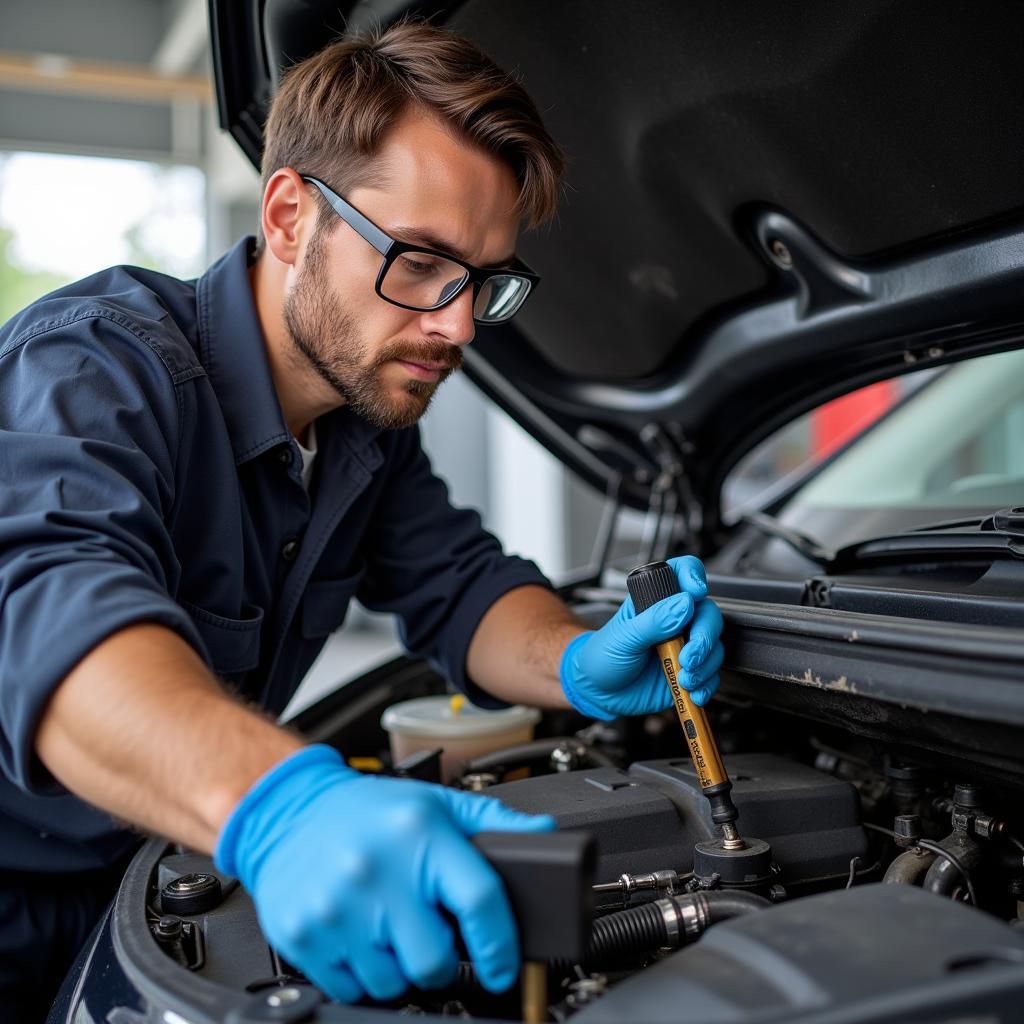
<point x="1004" y="522"/>
<point x="1001" y="533"/>
<point x="800" y="542"/>
<point x="949" y="524"/>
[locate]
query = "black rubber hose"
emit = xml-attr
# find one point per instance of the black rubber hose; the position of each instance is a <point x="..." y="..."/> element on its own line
<point x="723" y="904"/>
<point x="626" y="933"/>
<point x="534" y="750"/>
<point x="510" y="757"/>
<point x="642" y="929"/>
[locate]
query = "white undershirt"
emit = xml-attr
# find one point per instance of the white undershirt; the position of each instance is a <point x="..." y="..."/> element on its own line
<point x="308" y="455"/>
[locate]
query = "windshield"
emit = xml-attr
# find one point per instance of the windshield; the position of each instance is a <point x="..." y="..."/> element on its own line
<point x="953" y="448"/>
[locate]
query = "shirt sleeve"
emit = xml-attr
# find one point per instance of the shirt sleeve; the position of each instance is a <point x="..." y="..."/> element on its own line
<point x="435" y="566"/>
<point x="89" y="424"/>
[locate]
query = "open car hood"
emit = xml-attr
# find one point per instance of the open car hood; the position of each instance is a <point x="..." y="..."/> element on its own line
<point x="767" y="206"/>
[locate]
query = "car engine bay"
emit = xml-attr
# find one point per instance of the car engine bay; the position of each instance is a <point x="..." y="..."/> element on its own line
<point x="871" y="886"/>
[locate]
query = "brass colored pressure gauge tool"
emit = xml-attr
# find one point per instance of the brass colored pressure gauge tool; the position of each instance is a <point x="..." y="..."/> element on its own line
<point x="647" y="585"/>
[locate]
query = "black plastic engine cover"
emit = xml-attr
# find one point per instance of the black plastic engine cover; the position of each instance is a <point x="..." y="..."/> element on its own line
<point x="876" y="954"/>
<point x="810" y="819"/>
<point x="651" y="817"/>
<point x="635" y="826"/>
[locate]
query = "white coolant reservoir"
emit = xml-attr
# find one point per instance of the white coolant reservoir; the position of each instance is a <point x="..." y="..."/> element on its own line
<point x="463" y="730"/>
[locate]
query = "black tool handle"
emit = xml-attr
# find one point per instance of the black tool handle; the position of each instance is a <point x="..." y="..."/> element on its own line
<point x="549" y="878"/>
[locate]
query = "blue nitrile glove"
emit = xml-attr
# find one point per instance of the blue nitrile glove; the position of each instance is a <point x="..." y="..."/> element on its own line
<point x="350" y="873"/>
<point x="615" y="671"/>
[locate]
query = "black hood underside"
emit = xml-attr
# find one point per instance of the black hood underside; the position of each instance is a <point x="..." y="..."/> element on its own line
<point x="766" y="205"/>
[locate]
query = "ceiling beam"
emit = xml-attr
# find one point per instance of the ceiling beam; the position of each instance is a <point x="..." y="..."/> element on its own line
<point x="53" y="73"/>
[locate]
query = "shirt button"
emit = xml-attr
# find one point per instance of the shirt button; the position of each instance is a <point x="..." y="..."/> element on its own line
<point x="284" y="455"/>
<point x="289" y="549"/>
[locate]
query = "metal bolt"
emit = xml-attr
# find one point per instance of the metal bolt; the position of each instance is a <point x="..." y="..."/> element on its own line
<point x="168" y="929"/>
<point x="586" y="990"/>
<point x="961" y="821"/>
<point x="284" y="997"/>
<point x="477" y="781"/>
<point x="731" y="839"/>
<point x="564" y="758"/>
<point x="781" y="254"/>
<point x="191" y="883"/>
<point x="907" y="829"/>
<point x="936" y="352"/>
<point x="987" y="826"/>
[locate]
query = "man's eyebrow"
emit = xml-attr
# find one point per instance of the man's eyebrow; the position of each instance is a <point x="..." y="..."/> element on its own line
<point x="417" y="236"/>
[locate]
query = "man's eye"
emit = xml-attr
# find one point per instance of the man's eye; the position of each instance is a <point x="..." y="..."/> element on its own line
<point x="416" y="266"/>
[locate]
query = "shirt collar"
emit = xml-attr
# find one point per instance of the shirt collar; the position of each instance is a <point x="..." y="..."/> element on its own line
<point x="234" y="354"/>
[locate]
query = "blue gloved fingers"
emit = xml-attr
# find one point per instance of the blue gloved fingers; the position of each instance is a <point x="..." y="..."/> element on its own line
<point x="660" y="622"/>
<point x="473" y="813"/>
<point x="424" y="945"/>
<point x="705" y="670"/>
<point x="376" y="970"/>
<point x="691" y="575"/>
<point x="315" y="944"/>
<point x="704" y="693"/>
<point x="472" y="890"/>
<point x="704" y="633"/>
<point x="335" y="980"/>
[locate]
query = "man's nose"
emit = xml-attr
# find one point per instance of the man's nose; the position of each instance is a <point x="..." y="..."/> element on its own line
<point x="454" y="322"/>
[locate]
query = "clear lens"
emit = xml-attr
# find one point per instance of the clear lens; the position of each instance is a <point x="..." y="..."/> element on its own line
<point x="422" y="280"/>
<point x="425" y="281"/>
<point x="500" y="297"/>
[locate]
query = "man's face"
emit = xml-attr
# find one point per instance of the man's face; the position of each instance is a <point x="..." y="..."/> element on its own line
<point x="385" y="361"/>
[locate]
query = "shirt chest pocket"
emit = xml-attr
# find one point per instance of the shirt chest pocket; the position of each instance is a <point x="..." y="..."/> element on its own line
<point x="325" y="603"/>
<point x="233" y="644"/>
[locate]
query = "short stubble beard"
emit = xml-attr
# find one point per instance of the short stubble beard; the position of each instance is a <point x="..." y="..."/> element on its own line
<point x="329" y="339"/>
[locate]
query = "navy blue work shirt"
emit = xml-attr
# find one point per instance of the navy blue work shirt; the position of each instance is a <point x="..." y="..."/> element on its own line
<point x="147" y="475"/>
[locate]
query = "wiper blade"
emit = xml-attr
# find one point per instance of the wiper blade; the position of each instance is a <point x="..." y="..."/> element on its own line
<point x="1000" y="534"/>
<point x="949" y="524"/>
<point x="800" y="542"/>
<point x="1006" y="523"/>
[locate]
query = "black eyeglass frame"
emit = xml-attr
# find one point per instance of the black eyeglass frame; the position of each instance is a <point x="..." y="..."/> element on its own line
<point x="390" y="249"/>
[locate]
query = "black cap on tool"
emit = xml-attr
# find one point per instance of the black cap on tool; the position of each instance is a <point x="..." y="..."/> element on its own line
<point x="651" y="583"/>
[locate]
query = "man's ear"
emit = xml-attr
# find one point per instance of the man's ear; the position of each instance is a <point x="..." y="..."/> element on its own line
<point x="288" y="216"/>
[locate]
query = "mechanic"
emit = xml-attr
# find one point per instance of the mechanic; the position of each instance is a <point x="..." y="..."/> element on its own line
<point x="196" y="478"/>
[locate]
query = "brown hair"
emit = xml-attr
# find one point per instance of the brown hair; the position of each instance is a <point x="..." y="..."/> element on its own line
<point x="332" y="110"/>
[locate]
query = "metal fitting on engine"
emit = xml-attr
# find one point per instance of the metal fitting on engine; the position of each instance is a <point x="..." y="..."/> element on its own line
<point x="567" y="756"/>
<point x="670" y="922"/>
<point x="731" y="839"/>
<point x="749" y="867"/>
<point x="987" y="827"/>
<point x="627" y="883"/>
<point x="476" y="782"/>
<point x="671" y="916"/>
<point x="586" y="990"/>
<point x="907" y="830"/>
<point x="693" y="915"/>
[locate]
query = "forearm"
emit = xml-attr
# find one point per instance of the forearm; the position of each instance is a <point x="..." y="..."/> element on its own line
<point x="142" y="729"/>
<point x="517" y="648"/>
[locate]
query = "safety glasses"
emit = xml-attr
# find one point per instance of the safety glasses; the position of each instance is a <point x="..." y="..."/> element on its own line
<point x="424" y="279"/>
